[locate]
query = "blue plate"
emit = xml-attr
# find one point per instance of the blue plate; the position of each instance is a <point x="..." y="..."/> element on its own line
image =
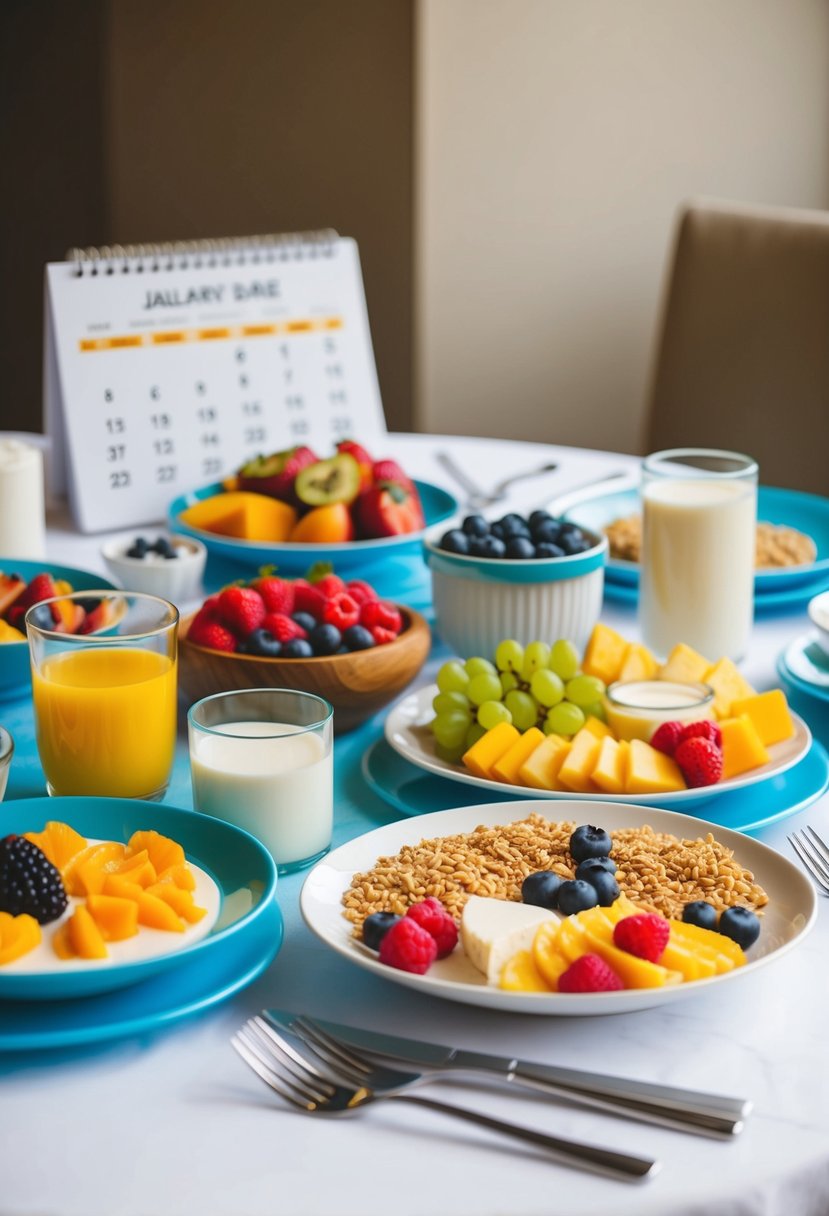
<point x="153" y="1005"/>
<point x="415" y="793"/>
<point x="234" y="860"/>
<point x="807" y="513"/>
<point x="766" y="603"/>
<point x="804" y="665"/>
<point x="15" y="672"/>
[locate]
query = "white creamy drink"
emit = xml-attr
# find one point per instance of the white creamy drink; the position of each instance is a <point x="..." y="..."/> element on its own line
<point x="272" y="779"/>
<point x="697" y="579"/>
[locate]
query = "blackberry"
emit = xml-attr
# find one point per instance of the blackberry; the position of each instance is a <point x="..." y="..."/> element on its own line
<point x="29" y="882"/>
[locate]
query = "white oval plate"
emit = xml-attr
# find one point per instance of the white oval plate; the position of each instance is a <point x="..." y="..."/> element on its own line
<point x="408" y="733"/>
<point x="790" y="913"/>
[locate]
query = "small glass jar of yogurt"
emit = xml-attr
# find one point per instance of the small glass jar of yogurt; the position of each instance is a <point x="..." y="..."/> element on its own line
<point x="635" y="708"/>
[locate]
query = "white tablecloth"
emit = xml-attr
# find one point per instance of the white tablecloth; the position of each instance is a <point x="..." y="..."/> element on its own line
<point x="175" y="1124"/>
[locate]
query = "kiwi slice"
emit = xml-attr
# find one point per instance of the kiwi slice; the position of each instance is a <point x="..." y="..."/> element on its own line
<point x="329" y="481"/>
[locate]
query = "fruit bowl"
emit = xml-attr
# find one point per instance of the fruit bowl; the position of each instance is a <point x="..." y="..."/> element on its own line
<point x="357" y="684"/>
<point x="15" y="673"/>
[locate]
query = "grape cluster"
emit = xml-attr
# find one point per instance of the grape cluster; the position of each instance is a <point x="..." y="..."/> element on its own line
<point x="534" y="685"/>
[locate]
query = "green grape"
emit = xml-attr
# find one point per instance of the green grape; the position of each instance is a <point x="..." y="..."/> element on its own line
<point x="547" y="727"/>
<point x="564" y="659"/>
<point x="584" y="690"/>
<point x="450" y="729"/>
<point x="478" y="667"/>
<point x="565" y="718"/>
<point x="451" y="702"/>
<point x="509" y="655"/>
<point x="597" y="710"/>
<point x="452" y="755"/>
<point x="523" y="709"/>
<point x="546" y="687"/>
<point x="475" y="732"/>
<point x="484" y="687"/>
<point x="452" y="677"/>
<point x="536" y="656"/>
<point x="509" y="681"/>
<point x="490" y="713"/>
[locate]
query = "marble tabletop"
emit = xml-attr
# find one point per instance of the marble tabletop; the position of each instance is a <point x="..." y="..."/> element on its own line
<point x="172" y="1123"/>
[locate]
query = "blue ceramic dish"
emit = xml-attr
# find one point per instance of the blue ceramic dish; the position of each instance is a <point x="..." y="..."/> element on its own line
<point x="236" y="862"/>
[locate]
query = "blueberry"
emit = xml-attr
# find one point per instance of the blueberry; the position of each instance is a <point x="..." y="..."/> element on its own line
<point x="514" y="525"/>
<point x="741" y="925"/>
<point x="588" y="841"/>
<point x="491" y="546"/>
<point x="496" y="529"/>
<point x="539" y="517"/>
<point x="376" y="926"/>
<point x="587" y="868"/>
<point x="546" y="549"/>
<point x="164" y="549"/>
<point x="357" y="637"/>
<point x="574" y="542"/>
<point x="475" y="525"/>
<point x="574" y="895"/>
<point x="455" y="541"/>
<point x="305" y="620"/>
<point x="41" y="615"/>
<point x="262" y="642"/>
<point x="297" y="648"/>
<point x="520" y="547"/>
<point x="547" y="530"/>
<point x="138" y="548"/>
<point x="700" y="913"/>
<point x="605" y="886"/>
<point x="541" y="889"/>
<point x="325" y="639"/>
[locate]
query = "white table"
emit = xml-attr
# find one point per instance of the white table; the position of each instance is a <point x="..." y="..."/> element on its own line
<point x="176" y="1124"/>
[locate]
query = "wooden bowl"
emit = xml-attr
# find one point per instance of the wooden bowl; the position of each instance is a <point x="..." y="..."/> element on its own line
<point x="357" y="684"/>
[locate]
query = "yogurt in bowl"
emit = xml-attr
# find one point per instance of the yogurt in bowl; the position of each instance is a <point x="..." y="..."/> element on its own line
<point x="635" y="708"/>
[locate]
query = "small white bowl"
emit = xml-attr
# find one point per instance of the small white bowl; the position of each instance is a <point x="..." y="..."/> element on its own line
<point x="819" y="616"/>
<point x="480" y="601"/>
<point x="177" y="579"/>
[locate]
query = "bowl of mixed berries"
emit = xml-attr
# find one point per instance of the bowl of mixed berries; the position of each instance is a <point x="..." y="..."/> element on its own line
<point x="320" y="634"/>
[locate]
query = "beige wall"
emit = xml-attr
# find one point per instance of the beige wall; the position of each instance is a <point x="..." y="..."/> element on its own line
<point x="555" y="141"/>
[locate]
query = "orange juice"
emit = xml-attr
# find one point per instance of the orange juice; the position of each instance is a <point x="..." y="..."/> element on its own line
<point x="106" y="721"/>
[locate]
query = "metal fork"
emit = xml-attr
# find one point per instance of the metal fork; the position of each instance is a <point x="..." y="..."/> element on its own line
<point x="277" y="1059"/>
<point x="814" y="853"/>
<point x="681" y="1112"/>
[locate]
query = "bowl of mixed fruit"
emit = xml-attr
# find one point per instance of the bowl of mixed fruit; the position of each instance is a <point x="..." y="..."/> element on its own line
<point x="334" y="638"/>
<point x="24" y="584"/>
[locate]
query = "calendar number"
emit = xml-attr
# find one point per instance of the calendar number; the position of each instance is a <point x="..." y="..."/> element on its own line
<point x="155" y="393"/>
<point x="210" y="439"/>
<point x="255" y="434"/>
<point x="116" y="426"/>
<point x="116" y="451"/>
<point x="161" y="421"/>
<point x="165" y="472"/>
<point x="119" y="479"/>
<point x="300" y="426"/>
<point x="163" y="447"/>
<point x="252" y="408"/>
<point x="206" y="413"/>
<point x="211" y="465"/>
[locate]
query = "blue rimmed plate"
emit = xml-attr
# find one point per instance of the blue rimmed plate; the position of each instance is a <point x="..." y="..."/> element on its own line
<point x="241" y="867"/>
<point x="766" y="603"/>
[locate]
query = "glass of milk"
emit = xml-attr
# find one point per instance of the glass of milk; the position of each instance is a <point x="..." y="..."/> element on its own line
<point x="699" y="519"/>
<point x="262" y="759"/>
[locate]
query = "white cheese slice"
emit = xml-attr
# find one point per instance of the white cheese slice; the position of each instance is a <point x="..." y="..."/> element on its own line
<point x="493" y="930"/>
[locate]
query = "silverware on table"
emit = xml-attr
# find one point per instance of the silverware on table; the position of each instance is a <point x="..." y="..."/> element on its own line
<point x="814" y="853"/>
<point x="685" y="1110"/>
<point x="309" y="1085"/>
<point x="476" y="498"/>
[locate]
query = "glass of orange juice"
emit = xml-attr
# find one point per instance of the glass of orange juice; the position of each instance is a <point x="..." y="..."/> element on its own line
<point x="105" y="699"/>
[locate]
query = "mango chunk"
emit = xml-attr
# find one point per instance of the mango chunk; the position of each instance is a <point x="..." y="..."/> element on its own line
<point x="728" y="685"/>
<point x="18" y="935"/>
<point x="708" y="940"/>
<point x="85" y="938"/>
<point x="120" y="886"/>
<point x="115" y="916"/>
<point x="181" y="875"/>
<point x="161" y="850"/>
<point x="181" y="902"/>
<point x="604" y="653"/>
<point x="575" y="772"/>
<point x="540" y="769"/>
<point x="481" y="756"/>
<point x="548" y="957"/>
<point x="86" y="871"/>
<point x="684" y="665"/>
<point x="507" y="767"/>
<point x="633" y="972"/>
<point x="244" y="515"/>
<point x="138" y="869"/>
<point x="742" y="747"/>
<point x="8" y="633"/>
<point x="769" y="711"/>
<point x="58" y="841"/>
<point x="638" y="663"/>
<point x="610" y="770"/>
<point x="650" y="771"/>
<point x="156" y="914"/>
<point x="597" y="727"/>
<point x="521" y="974"/>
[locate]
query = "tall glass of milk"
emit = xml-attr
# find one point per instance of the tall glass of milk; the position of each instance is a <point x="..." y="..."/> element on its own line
<point x="699" y="518"/>
<point x="262" y="759"/>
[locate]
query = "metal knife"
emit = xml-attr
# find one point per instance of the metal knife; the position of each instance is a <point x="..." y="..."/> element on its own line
<point x="688" y="1110"/>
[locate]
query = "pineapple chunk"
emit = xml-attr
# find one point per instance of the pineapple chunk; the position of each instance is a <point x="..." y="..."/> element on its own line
<point x="579" y="762"/>
<point x="604" y="654"/>
<point x="728" y="685"/>
<point x="599" y="729"/>
<point x="651" y="771"/>
<point x="638" y="663"/>
<point x="769" y="711"/>
<point x="508" y="766"/>
<point x="742" y="747"/>
<point x="610" y="772"/>
<point x="489" y="748"/>
<point x="540" y="769"/>
<point x="684" y="665"/>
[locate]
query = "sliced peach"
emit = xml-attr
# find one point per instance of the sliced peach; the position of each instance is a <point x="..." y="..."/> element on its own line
<point x="521" y="974"/>
<point x="84" y="935"/>
<point x="324" y="526"/>
<point x="86" y="872"/>
<point x="115" y="916"/>
<point x="18" y="935"/>
<point x="121" y="887"/>
<point x="156" y="914"/>
<point x="182" y="876"/>
<point x="180" y="901"/>
<point x="58" y="841"/>
<point x="162" y="851"/>
<point x="138" y="869"/>
<point x="61" y="943"/>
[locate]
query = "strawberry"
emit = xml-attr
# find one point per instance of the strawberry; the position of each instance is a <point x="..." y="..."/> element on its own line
<point x="282" y="627"/>
<point x="378" y="612"/>
<point x="212" y="634"/>
<point x="700" y="761"/>
<point x="341" y="610"/>
<point x="645" y="935"/>
<point x="352" y="448"/>
<point x="277" y="593"/>
<point x="360" y="590"/>
<point x="275" y="474"/>
<point x="41" y="587"/>
<point x="389" y="508"/>
<point x="705" y="729"/>
<point x="242" y="609"/>
<point x="589" y="973"/>
<point x="666" y="737"/>
<point x="389" y="470"/>
<point x="308" y="598"/>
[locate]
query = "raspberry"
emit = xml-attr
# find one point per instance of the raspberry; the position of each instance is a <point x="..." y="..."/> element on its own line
<point x="360" y="590"/>
<point x="29" y="882"/>
<point x="589" y="974"/>
<point x="666" y="737"/>
<point x="381" y="635"/>
<point x="277" y="593"/>
<point x="705" y="729"/>
<point x="431" y="915"/>
<point x="700" y="761"/>
<point x="242" y="609"/>
<point x="408" y="947"/>
<point x="308" y="598"/>
<point x="329" y="585"/>
<point x="645" y="935"/>
<point x="283" y="628"/>
<point x="378" y="612"/>
<point x="341" y="610"/>
<point x="211" y="633"/>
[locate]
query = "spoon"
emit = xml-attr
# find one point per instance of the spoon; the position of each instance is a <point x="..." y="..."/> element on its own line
<point x="477" y="498"/>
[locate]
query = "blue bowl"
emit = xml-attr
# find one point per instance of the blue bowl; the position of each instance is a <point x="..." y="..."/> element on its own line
<point x="234" y="859"/>
<point x="15" y="672"/>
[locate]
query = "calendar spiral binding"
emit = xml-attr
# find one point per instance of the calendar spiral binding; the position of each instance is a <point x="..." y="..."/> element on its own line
<point x="185" y="255"/>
